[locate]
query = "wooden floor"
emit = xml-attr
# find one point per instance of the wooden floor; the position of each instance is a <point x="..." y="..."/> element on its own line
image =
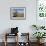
<point x="13" y="44"/>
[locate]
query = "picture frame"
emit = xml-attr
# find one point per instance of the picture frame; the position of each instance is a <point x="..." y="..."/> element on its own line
<point x="18" y="13"/>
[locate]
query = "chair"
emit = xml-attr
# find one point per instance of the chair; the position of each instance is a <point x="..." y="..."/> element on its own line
<point x="26" y="37"/>
<point x="14" y="32"/>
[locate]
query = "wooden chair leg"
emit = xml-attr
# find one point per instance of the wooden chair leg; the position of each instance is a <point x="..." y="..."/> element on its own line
<point x="17" y="39"/>
<point x="5" y="43"/>
<point x="6" y="39"/>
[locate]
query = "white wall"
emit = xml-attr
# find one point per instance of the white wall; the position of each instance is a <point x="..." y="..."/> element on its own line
<point x="24" y="25"/>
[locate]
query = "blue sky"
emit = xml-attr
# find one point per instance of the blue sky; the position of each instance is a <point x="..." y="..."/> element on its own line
<point x="20" y="10"/>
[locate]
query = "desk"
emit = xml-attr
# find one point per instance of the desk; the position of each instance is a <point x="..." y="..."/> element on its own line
<point x="8" y="34"/>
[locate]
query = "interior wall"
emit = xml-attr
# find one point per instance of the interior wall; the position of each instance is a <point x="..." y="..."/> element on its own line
<point x="6" y="22"/>
<point x="23" y="25"/>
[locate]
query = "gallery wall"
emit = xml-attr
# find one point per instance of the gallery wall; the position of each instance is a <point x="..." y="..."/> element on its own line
<point x="23" y="25"/>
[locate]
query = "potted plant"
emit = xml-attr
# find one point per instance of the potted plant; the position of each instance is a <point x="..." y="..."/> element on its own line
<point x="42" y="27"/>
<point x="35" y="26"/>
<point x="39" y="35"/>
<point x="38" y="27"/>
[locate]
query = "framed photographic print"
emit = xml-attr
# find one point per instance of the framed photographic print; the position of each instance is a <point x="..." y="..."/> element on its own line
<point x="17" y="13"/>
